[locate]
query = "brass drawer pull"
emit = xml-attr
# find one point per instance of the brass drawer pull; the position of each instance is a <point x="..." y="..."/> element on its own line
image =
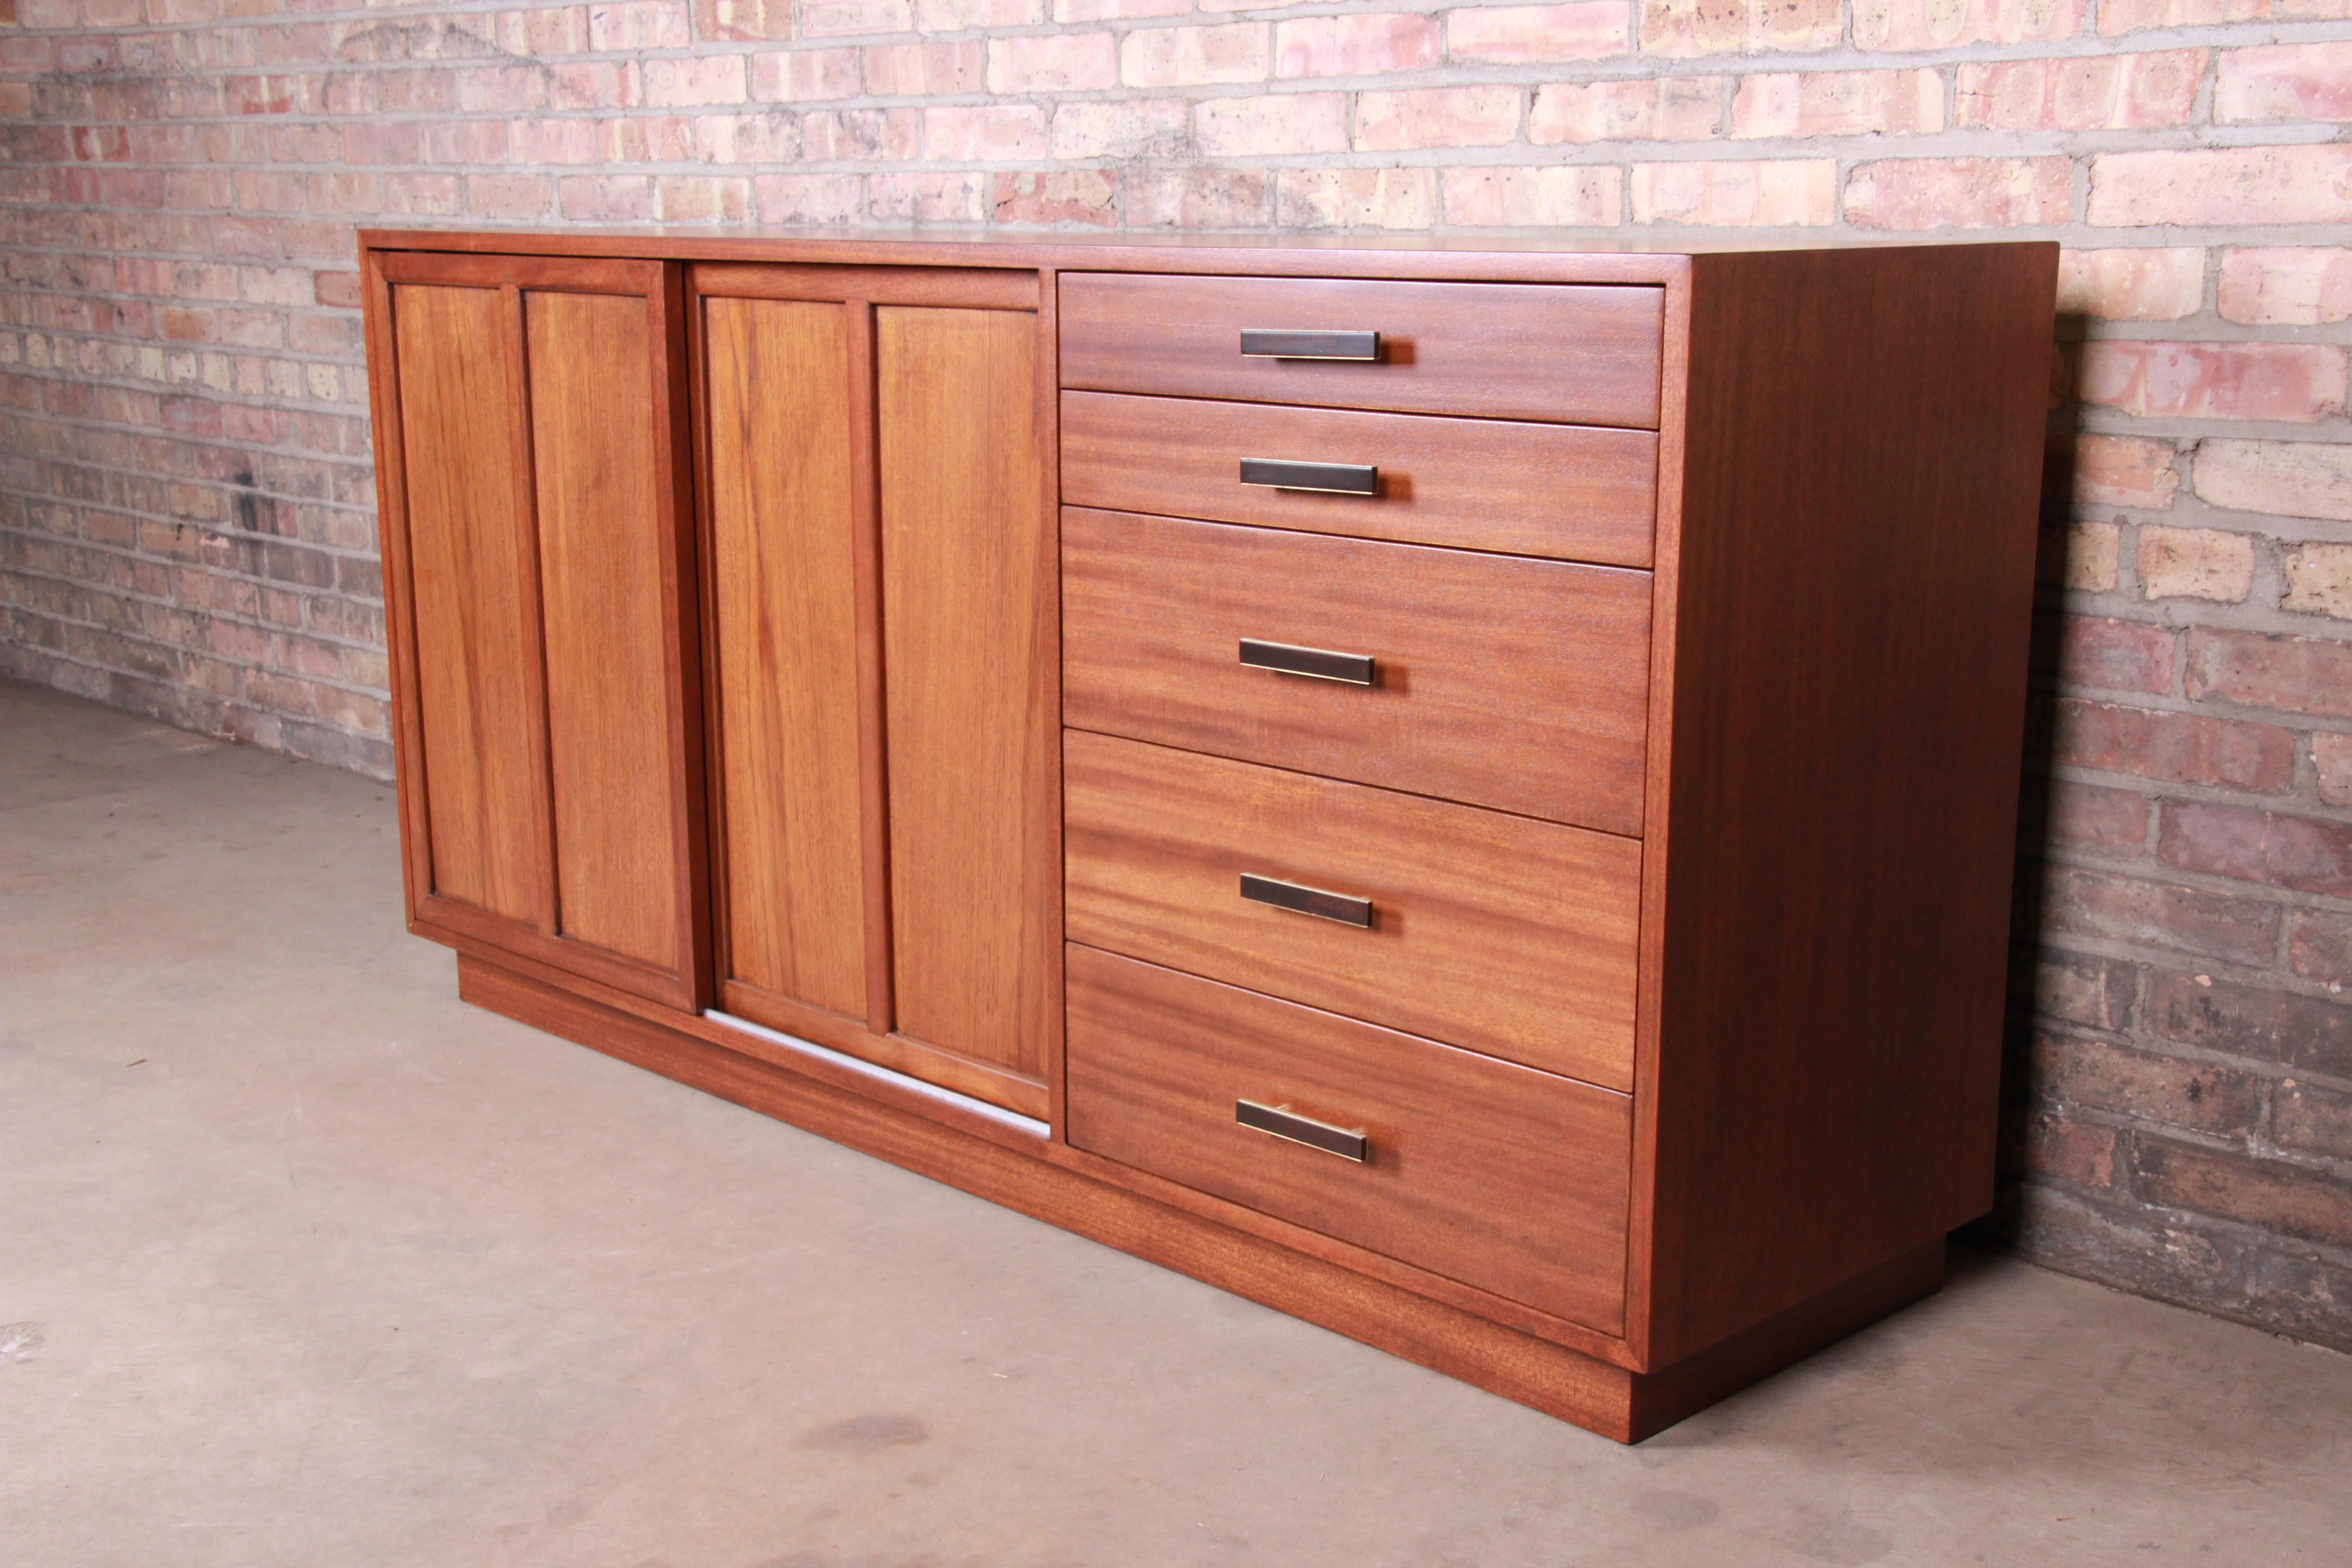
<point x="1320" y="664"/>
<point x="1264" y="342"/>
<point x="1331" y="478"/>
<point x="1320" y="1135"/>
<point x="1313" y="901"/>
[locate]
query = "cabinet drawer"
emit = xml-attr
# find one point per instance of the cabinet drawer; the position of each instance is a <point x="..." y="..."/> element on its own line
<point x="1499" y="1176"/>
<point x="1579" y="354"/>
<point x="1494" y="679"/>
<point x="1499" y="933"/>
<point x="1476" y="484"/>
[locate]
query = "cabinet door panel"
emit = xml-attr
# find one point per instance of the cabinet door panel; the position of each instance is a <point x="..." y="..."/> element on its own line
<point x="783" y="544"/>
<point x="602" y="542"/>
<point x="968" y="606"/>
<point x="472" y="587"/>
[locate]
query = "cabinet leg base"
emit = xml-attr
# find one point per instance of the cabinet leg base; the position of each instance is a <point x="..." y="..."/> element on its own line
<point x="1609" y="1400"/>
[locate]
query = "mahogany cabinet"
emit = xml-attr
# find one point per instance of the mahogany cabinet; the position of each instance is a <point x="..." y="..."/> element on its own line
<point x="1463" y="794"/>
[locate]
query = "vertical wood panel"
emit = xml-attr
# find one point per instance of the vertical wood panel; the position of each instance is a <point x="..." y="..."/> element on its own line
<point x="971" y="689"/>
<point x="476" y="655"/>
<point x="783" y="538"/>
<point x="602" y="549"/>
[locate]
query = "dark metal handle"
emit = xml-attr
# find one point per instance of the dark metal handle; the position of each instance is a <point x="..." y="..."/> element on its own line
<point x="1335" y="479"/>
<point x="1339" y="1141"/>
<point x="1313" y="901"/>
<point x="1355" y="669"/>
<point x="1265" y="343"/>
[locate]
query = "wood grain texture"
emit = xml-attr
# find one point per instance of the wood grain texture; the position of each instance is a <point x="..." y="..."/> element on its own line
<point x="601" y="547"/>
<point x="1497" y="933"/>
<point x="1503" y="682"/>
<point x="1856" y="553"/>
<point x="1578" y="355"/>
<point x="784" y="542"/>
<point x="979" y="288"/>
<point x="972" y="698"/>
<point x="472" y="557"/>
<point x="1493" y="1174"/>
<point x="1561" y="491"/>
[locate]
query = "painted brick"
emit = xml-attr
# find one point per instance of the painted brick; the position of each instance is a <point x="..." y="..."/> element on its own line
<point x="1131" y="128"/>
<point x="1680" y="27"/>
<point x="2306" y="854"/>
<point x="2152" y="284"/>
<point x="1354" y="198"/>
<point x="1949" y="24"/>
<point x="1797" y="193"/>
<point x="2303" y="81"/>
<point x="1534" y="198"/>
<point x="1193" y="57"/>
<point x="2109" y="93"/>
<point x="2295" y="477"/>
<point x="2305" y="287"/>
<point x="2284" y="382"/>
<point x="2115" y="655"/>
<point x="2155" y="914"/>
<point x="1668" y="108"/>
<point x="2125" y="470"/>
<point x="1838" y="103"/>
<point x="2319" y="580"/>
<point x="1520" y="35"/>
<point x="2246" y="1020"/>
<point x="2222" y="186"/>
<point x="1066" y="62"/>
<point x="1272" y="125"/>
<point x="2185" y="748"/>
<point x="804" y="76"/>
<point x="2279" y="1197"/>
<point x="2194" y="563"/>
<point x="2319" y="945"/>
<point x="2099" y="1075"/>
<point x="1960" y="193"/>
<point x="2295" y="675"/>
<point x="1437" y="117"/>
<point x="1362" y="45"/>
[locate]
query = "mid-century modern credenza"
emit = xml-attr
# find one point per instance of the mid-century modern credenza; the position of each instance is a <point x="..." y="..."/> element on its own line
<point x="1465" y="795"/>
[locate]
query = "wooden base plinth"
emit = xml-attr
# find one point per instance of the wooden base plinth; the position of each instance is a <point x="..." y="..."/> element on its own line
<point x="1592" y="1394"/>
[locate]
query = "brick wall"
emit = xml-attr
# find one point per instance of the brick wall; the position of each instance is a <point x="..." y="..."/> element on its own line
<point x="184" y="489"/>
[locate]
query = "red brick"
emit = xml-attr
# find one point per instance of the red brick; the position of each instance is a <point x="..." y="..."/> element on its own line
<point x="2304" y="853"/>
<point x="2123" y="1081"/>
<point x="2290" y="287"/>
<point x="808" y="198"/>
<point x="1062" y="62"/>
<point x="2078" y="1152"/>
<point x="2093" y="816"/>
<point x="2319" y="947"/>
<point x="2303" y="82"/>
<point x="1838" y="103"/>
<point x="2331" y="759"/>
<point x="1060" y="197"/>
<point x="2299" y="383"/>
<point x="1437" y="117"/>
<point x="1361" y="44"/>
<point x="926" y="197"/>
<point x="1272" y="124"/>
<point x="1949" y="24"/>
<point x="1797" y="192"/>
<point x="912" y="70"/>
<point x="2309" y="1120"/>
<point x="994" y="133"/>
<point x="2125" y="470"/>
<point x="1354" y="198"/>
<point x="1517" y="35"/>
<point x="1960" y="193"/>
<point x="2318" y="580"/>
<point x="2118" y="16"/>
<point x="1129" y="128"/>
<point x="2115" y="656"/>
<point x="2194" y="563"/>
<point x="2250" y="1020"/>
<point x="2108" y="92"/>
<point x="1192" y="56"/>
<point x="957" y="15"/>
<point x="2231" y="186"/>
<point x="1571" y="196"/>
<point x="1668" y="108"/>
<point x="2295" y="675"/>
<point x="2298" y="479"/>
<point x="2276" y="1197"/>
<point x="683" y="83"/>
<point x="804" y="76"/>
<point x="848" y="18"/>
<point x="1196" y="198"/>
<point x="2185" y="748"/>
<point x="1680" y="27"/>
<point x="2155" y="914"/>
<point x="2084" y="988"/>
<point x="2152" y="284"/>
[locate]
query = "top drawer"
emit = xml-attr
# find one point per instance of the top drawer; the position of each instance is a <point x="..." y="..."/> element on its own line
<point x="1574" y="353"/>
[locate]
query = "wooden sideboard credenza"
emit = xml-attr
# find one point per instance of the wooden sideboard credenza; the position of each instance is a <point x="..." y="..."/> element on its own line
<point x="1465" y="795"/>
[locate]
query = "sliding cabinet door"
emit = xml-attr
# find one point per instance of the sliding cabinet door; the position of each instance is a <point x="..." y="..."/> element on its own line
<point x="885" y="691"/>
<point x="539" y="582"/>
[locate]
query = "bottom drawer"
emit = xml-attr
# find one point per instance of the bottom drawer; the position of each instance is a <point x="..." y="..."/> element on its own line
<point x="1496" y="1175"/>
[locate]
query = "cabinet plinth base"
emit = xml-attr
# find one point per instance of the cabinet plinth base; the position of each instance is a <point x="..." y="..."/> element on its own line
<point x="1612" y="1401"/>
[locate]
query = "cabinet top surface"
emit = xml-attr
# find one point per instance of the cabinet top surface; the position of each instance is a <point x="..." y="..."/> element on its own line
<point x="1587" y="260"/>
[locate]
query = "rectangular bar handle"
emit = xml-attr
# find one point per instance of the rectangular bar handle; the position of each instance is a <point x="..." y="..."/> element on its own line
<point x="1321" y="664"/>
<point x="1339" y="907"/>
<point x="1332" y="478"/>
<point x="1340" y="1140"/>
<point x="1267" y="342"/>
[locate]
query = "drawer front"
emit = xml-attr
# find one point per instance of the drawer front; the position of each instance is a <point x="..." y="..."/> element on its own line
<point x="1499" y="933"/>
<point x="1499" y="1176"/>
<point x="1577" y="354"/>
<point x="1476" y="484"/>
<point x="1500" y="681"/>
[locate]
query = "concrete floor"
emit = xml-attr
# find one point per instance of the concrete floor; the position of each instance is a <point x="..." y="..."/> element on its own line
<point x="306" y="1263"/>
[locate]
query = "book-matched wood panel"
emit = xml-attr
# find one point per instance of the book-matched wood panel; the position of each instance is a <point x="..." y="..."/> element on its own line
<point x="967" y="596"/>
<point x="779" y="406"/>
<point x="1507" y="350"/>
<point x="474" y="591"/>
<point x="603" y="536"/>
<point x="1497" y="1175"/>
<point x="1499" y="933"/>
<point x="1562" y="491"/>
<point x="1497" y="681"/>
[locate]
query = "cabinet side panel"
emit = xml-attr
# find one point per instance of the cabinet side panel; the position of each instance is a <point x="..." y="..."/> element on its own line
<point x="1856" y="552"/>
<point x="972" y="694"/>
<point x="782" y="548"/>
<point x="469" y="548"/>
<point x="602" y="545"/>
